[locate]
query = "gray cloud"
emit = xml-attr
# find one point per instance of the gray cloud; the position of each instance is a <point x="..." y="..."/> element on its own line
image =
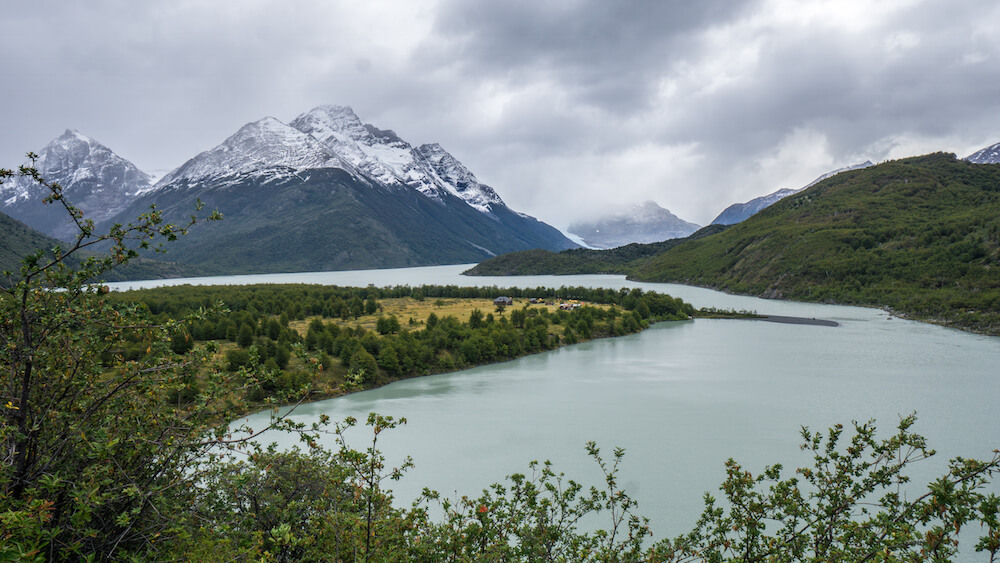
<point x="564" y="107"/>
<point x="608" y="54"/>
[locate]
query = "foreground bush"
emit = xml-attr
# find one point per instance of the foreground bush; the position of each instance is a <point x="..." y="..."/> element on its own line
<point x="850" y="504"/>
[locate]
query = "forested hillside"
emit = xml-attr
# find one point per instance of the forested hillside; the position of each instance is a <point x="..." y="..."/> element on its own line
<point x="919" y="236"/>
<point x="620" y="260"/>
<point x="19" y="241"/>
<point x="365" y="337"/>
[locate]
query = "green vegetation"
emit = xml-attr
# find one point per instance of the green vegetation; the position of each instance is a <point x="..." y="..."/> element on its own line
<point x="21" y="241"/>
<point x="344" y="331"/>
<point x="621" y="260"/>
<point x="919" y="236"/>
<point x="91" y="459"/>
<point x="117" y="446"/>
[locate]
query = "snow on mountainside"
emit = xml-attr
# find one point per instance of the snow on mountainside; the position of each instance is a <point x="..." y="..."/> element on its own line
<point x="265" y="144"/>
<point x="989" y="155"/>
<point x="95" y="179"/>
<point x="334" y="137"/>
<point x="457" y="179"/>
<point x="739" y="212"/>
<point x="72" y="159"/>
<point x="379" y="154"/>
<point x="383" y="156"/>
<point x="328" y="192"/>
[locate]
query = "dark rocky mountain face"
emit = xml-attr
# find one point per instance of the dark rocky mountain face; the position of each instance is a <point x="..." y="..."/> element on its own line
<point x="328" y="219"/>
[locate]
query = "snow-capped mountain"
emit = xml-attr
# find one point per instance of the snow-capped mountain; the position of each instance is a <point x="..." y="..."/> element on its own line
<point x="989" y="155"/>
<point x="334" y="137"/>
<point x="264" y="145"/>
<point x="96" y="180"/>
<point x="328" y="192"/>
<point x="380" y="155"/>
<point x="383" y="156"/>
<point x="644" y="223"/>
<point x="739" y="212"/>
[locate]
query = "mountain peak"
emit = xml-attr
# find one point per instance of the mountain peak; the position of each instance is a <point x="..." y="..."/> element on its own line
<point x="269" y="122"/>
<point x="335" y="110"/>
<point x="73" y="135"/>
<point x="989" y="155"/>
<point x="644" y="222"/>
<point x="382" y="155"/>
<point x="93" y="177"/>
<point x="264" y="144"/>
<point x="269" y="131"/>
<point x="331" y="122"/>
<point x="73" y="145"/>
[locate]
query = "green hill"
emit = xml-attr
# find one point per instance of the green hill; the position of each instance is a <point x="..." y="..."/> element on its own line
<point x="620" y="260"/>
<point x="18" y="240"/>
<point x="918" y="236"/>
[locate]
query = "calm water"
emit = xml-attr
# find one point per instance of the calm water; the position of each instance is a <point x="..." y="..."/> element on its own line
<point x="680" y="397"/>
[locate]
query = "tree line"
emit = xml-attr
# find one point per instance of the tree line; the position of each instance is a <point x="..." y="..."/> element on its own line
<point x="257" y="320"/>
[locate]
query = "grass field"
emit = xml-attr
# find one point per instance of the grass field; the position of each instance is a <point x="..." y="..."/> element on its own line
<point x="407" y="308"/>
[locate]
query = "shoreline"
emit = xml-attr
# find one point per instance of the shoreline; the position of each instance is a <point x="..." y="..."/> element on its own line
<point x="316" y="395"/>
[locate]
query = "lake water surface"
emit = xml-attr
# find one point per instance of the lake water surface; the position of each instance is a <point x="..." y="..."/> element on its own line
<point x="680" y="397"/>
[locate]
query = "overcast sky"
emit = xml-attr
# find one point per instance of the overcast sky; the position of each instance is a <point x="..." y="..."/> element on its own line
<point x="564" y="107"/>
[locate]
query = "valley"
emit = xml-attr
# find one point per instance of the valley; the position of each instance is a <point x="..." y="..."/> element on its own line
<point x="511" y="282"/>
